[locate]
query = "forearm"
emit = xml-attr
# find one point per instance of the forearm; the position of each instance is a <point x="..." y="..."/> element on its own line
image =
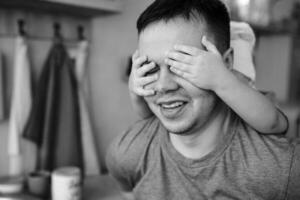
<point x="140" y="106"/>
<point x="253" y="107"/>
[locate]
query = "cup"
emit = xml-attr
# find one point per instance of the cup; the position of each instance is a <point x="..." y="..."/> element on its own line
<point x="66" y="184"/>
<point x="39" y="183"/>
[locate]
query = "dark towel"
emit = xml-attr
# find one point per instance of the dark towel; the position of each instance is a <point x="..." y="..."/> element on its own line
<point x="54" y="123"/>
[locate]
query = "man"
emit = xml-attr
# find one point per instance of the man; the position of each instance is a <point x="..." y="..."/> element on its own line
<point x="196" y="147"/>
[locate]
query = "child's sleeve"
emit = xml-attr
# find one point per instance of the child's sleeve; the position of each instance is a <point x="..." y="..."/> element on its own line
<point x="242" y="42"/>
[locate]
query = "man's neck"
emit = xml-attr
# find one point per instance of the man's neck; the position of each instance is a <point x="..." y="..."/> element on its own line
<point x="204" y="140"/>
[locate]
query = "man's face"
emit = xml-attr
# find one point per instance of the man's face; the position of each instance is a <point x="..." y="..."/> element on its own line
<point x="179" y="105"/>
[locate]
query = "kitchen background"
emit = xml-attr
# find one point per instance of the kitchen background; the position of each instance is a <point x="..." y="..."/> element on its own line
<point x="109" y="26"/>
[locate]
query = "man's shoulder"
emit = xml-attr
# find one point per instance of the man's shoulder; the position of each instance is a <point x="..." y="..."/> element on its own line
<point x="138" y="133"/>
<point x="264" y="159"/>
<point x="128" y="150"/>
<point x="270" y="153"/>
<point x="264" y="144"/>
<point x="294" y="178"/>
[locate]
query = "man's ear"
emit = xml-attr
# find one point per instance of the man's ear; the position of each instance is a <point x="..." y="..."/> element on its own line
<point x="228" y="58"/>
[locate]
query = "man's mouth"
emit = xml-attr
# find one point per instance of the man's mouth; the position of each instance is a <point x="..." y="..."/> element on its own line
<point x="171" y="105"/>
<point x="172" y="109"/>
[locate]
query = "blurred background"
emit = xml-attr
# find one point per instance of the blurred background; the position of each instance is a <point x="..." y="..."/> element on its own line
<point x="109" y="28"/>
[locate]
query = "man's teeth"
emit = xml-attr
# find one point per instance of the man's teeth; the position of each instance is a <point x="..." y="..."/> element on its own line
<point x="172" y="105"/>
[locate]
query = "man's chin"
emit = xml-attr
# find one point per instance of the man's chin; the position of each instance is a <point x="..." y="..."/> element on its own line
<point x="179" y="129"/>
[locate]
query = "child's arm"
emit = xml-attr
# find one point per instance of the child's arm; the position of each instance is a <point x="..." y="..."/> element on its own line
<point x="251" y="105"/>
<point x="207" y="70"/>
<point x="137" y="81"/>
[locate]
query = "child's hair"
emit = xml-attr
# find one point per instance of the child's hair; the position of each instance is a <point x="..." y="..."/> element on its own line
<point x="214" y="13"/>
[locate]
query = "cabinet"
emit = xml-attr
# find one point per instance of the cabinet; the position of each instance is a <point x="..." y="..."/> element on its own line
<point x="101" y="5"/>
<point x="294" y="89"/>
<point x="87" y="8"/>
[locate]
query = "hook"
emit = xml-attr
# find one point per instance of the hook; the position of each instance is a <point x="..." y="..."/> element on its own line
<point x="21" y="25"/>
<point x="80" y="31"/>
<point x="57" y="28"/>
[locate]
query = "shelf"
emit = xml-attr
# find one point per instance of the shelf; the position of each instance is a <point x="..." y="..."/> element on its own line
<point x="86" y="8"/>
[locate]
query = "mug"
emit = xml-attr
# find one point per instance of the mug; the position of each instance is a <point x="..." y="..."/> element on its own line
<point x="66" y="184"/>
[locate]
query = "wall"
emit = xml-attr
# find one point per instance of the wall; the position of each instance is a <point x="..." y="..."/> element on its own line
<point x="39" y="27"/>
<point x="272" y="56"/>
<point x="114" y="40"/>
<point x="273" y="65"/>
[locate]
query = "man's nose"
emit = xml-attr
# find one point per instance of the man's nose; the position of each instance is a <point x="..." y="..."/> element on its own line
<point x="165" y="82"/>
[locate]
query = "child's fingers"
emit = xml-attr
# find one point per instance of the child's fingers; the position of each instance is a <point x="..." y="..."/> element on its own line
<point x="143" y="92"/>
<point x="185" y="58"/>
<point x="145" y="68"/>
<point x="209" y="46"/>
<point x="179" y="65"/>
<point x="147" y="80"/>
<point x="179" y="72"/>
<point x="138" y="62"/>
<point x="135" y="55"/>
<point x="193" y="51"/>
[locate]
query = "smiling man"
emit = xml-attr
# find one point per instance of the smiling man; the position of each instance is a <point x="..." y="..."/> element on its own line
<point x="180" y="106"/>
<point x="196" y="147"/>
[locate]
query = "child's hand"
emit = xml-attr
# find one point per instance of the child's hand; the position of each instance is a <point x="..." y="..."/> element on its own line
<point x="138" y="78"/>
<point x="205" y="69"/>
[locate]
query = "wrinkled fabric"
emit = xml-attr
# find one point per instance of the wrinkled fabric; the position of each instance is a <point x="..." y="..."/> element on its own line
<point x="54" y="122"/>
<point x="243" y="165"/>
<point x="90" y="157"/>
<point x="20" y="107"/>
<point x="243" y="41"/>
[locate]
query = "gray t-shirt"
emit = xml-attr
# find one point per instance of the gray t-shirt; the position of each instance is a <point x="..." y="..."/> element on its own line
<point x="247" y="165"/>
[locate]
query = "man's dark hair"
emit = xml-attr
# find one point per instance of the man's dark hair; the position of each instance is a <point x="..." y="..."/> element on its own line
<point x="214" y="12"/>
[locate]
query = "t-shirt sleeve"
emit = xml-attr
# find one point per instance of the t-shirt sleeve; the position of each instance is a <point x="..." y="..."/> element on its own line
<point x="115" y="165"/>
<point x="126" y="153"/>
<point x="286" y="119"/>
<point x="293" y="192"/>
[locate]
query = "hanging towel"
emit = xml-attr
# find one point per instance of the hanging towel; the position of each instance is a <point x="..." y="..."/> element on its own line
<point x="54" y="122"/>
<point x="90" y="157"/>
<point x="2" y="94"/>
<point x="20" y="106"/>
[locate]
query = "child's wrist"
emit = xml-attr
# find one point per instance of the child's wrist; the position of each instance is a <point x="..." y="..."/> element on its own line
<point x="219" y="79"/>
<point x="224" y="81"/>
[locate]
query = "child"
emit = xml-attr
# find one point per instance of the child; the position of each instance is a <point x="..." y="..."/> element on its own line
<point x="248" y="103"/>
